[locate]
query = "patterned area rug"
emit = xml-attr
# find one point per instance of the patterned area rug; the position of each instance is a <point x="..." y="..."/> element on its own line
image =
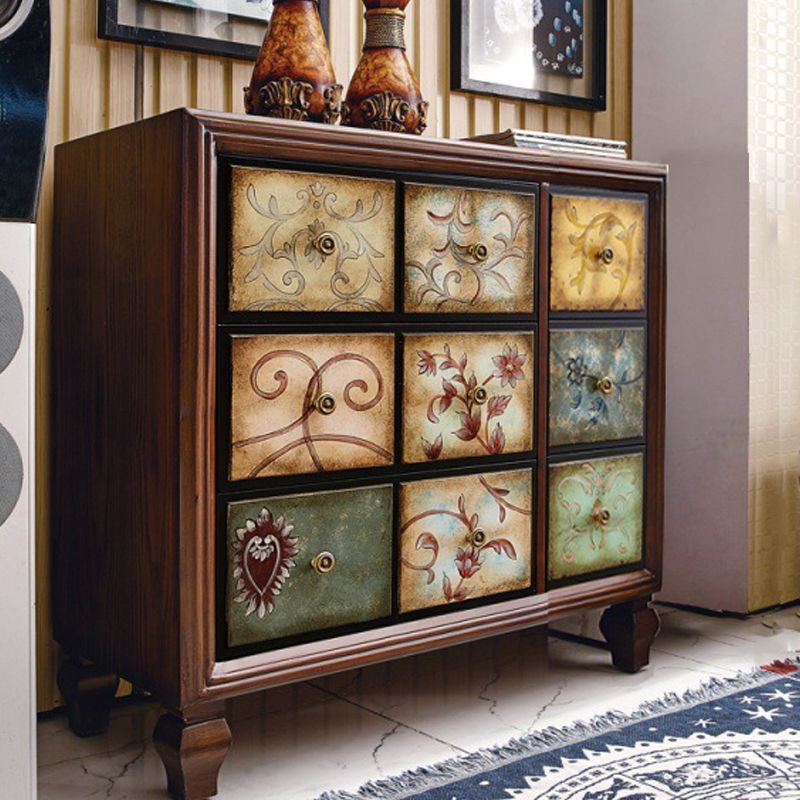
<point x="729" y="740"/>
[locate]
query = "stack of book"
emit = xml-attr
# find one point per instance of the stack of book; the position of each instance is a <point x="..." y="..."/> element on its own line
<point x="557" y="143"/>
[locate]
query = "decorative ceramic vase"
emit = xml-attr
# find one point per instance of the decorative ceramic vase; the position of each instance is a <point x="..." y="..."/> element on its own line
<point x="293" y="77"/>
<point x="384" y="93"/>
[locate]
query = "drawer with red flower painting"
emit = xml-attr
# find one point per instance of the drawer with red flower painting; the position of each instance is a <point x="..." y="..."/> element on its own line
<point x="467" y="395"/>
<point x="465" y="537"/>
<point x="305" y="403"/>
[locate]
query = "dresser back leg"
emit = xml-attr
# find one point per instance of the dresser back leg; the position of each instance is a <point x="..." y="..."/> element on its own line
<point x="629" y="629"/>
<point x="88" y="693"/>
<point x="192" y="749"/>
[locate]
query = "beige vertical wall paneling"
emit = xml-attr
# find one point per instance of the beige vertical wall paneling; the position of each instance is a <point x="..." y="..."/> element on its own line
<point x="150" y="82"/>
<point x="509" y="114"/>
<point x="413" y="18"/>
<point x="483" y="115"/>
<point x="210" y="80"/>
<point x="603" y="121"/>
<point x="240" y="74"/>
<point x="175" y="83"/>
<point x="120" y="89"/>
<point x="94" y="87"/>
<point x="558" y="119"/>
<point x="619" y="60"/>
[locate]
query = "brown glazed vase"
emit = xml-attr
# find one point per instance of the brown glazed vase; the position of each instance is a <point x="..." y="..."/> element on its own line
<point x="384" y="93"/>
<point x="293" y="77"/>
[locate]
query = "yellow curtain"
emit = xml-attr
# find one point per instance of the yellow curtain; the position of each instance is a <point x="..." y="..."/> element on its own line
<point x="774" y="457"/>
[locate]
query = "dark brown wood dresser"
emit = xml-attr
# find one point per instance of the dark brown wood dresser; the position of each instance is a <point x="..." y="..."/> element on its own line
<point x="324" y="397"/>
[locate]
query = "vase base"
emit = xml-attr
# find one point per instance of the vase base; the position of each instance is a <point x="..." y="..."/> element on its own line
<point x="385" y="111"/>
<point x="286" y="98"/>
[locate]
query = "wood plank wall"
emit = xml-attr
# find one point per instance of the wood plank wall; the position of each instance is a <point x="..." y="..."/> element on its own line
<point x="98" y="85"/>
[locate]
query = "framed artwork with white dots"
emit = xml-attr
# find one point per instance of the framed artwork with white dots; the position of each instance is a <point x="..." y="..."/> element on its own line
<point x="548" y="51"/>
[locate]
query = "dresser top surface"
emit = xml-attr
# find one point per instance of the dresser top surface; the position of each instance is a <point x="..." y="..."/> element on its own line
<point x="401" y="146"/>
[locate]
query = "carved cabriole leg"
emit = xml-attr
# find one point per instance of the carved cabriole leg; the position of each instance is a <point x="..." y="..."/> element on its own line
<point x="88" y="692"/>
<point x="192" y="747"/>
<point x="630" y="629"/>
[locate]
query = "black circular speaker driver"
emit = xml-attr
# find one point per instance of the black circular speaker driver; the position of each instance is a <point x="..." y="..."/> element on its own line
<point x="8" y="8"/>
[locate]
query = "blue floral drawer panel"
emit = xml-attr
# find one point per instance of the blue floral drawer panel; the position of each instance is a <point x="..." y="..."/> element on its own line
<point x="464" y="537"/>
<point x="597" y="385"/>
<point x="595" y="515"/>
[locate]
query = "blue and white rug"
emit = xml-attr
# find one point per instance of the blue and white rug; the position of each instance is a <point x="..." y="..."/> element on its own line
<point x="730" y="740"/>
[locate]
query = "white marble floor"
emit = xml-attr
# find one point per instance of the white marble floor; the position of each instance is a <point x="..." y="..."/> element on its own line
<point x="339" y="732"/>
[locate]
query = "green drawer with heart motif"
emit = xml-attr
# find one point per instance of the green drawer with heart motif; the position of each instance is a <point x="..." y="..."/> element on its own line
<point x="597" y="379"/>
<point x="595" y="516"/>
<point x="307" y="562"/>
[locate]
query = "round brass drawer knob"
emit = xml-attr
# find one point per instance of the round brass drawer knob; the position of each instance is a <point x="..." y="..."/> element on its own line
<point x="323" y="563"/>
<point x="325" y="244"/>
<point x="602" y="516"/>
<point x="479" y="251"/>
<point x="478" y="395"/>
<point x="477" y="538"/>
<point x="605" y="386"/>
<point x="325" y="404"/>
<point x="607" y="255"/>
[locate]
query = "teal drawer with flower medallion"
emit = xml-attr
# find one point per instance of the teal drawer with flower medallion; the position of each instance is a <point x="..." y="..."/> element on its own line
<point x="308" y="562"/>
<point x="597" y="385"/>
<point x="595" y="514"/>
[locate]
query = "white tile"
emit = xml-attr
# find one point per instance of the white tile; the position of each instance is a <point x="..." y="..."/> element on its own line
<point x="482" y="695"/>
<point x="730" y="644"/>
<point x="291" y="743"/>
<point x="339" y="732"/>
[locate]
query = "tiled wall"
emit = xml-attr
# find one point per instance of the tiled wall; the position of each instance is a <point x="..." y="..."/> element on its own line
<point x="774" y="124"/>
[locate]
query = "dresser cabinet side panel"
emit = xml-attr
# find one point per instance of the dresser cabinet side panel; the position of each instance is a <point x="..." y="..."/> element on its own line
<point x="656" y="379"/>
<point x="115" y="408"/>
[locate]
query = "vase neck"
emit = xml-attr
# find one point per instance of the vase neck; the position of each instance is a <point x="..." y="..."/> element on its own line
<point x="385" y="28"/>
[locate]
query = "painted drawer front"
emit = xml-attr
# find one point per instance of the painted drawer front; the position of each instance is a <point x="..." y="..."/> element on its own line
<point x="597" y="253"/>
<point x="303" y="242"/>
<point x="464" y="537"/>
<point x="311" y="403"/>
<point x="597" y="382"/>
<point x="467" y="394"/>
<point x="595" y="515"/>
<point x="308" y="562"/>
<point x="468" y="251"/>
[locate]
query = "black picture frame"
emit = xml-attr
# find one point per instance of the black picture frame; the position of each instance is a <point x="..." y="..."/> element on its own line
<point x="109" y="27"/>
<point x="460" y="80"/>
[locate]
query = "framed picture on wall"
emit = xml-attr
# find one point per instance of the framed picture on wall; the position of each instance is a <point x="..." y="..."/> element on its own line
<point x="233" y="28"/>
<point x="548" y="51"/>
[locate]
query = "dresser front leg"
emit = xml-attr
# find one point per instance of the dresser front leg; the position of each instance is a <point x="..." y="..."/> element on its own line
<point x="629" y="629"/>
<point x="88" y="693"/>
<point x="192" y="747"/>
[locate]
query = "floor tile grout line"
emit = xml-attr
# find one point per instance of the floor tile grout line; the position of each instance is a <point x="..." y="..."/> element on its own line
<point x="706" y="664"/>
<point x="387" y="718"/>
<point x="101" y="754"/>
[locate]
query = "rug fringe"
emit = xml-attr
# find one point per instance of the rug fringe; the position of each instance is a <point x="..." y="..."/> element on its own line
<point x="455" y="769"/>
